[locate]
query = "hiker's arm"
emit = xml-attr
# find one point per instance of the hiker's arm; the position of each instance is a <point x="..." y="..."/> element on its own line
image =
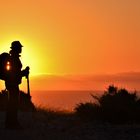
<point x="25" y="72"/>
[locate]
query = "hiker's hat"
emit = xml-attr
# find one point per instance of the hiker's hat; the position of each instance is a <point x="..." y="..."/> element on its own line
<point x="16" y="45"/>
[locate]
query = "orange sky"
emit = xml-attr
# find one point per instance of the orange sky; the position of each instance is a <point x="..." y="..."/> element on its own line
<point x="73" y="36"/>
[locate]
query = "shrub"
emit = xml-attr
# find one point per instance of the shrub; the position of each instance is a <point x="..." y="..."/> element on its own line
<point x="25" y="101"/>
<point x="87" y="110"/>
<point x="115" y="105"/>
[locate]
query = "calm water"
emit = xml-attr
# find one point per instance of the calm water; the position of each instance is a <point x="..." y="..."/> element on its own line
<point x="61" y="99"/>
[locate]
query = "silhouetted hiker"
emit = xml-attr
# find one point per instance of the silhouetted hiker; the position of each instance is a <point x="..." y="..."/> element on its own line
<point x="12" y="81"/>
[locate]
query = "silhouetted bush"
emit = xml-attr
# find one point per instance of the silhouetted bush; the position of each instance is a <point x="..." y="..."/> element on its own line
<point x="25" y="103"/>
<point x="88" y="110"/>
<point x="115" y="105"/>
<point x="3" y="100"/>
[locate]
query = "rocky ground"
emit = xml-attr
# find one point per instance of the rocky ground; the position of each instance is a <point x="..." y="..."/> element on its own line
<point x="45" y="126"/>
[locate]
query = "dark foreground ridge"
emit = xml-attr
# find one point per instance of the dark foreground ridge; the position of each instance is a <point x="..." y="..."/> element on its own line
<point x="106" y="118"/>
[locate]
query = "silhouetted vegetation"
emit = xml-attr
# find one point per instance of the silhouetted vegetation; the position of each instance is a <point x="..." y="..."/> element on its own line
<point x="25" y="102"/>
<point x="24" y="105"/>
<point x="115" y="106"/>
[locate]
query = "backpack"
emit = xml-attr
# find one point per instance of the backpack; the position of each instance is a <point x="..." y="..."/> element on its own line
<point x="4" y="61"/>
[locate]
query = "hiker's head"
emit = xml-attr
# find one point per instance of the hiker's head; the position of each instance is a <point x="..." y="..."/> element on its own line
<point x="16" y="47"/>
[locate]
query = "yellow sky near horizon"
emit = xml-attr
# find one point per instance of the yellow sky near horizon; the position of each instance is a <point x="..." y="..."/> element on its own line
<point x="73" y="36"/>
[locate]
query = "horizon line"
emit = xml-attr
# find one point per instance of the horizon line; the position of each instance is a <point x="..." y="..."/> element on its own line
<point x="84" y="74"/>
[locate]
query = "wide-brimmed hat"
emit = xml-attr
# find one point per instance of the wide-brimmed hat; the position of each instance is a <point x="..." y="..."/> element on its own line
<point x="16" y="45"/>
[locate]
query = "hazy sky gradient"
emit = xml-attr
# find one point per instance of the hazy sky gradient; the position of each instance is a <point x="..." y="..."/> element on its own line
<point x="130" y="81"/>
<point x="74" y="36"/>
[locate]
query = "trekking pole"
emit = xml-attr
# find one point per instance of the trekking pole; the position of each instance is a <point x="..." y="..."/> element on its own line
<point x="28" y="84"/>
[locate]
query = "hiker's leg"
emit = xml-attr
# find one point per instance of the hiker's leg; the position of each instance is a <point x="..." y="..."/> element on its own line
<point x="12" y="108"/>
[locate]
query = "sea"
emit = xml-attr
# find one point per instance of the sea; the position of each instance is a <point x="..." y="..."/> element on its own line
<point x="63" y="100"/>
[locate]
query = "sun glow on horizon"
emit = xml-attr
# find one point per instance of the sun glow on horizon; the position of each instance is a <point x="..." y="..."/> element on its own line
<point x="30" y="55"/>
